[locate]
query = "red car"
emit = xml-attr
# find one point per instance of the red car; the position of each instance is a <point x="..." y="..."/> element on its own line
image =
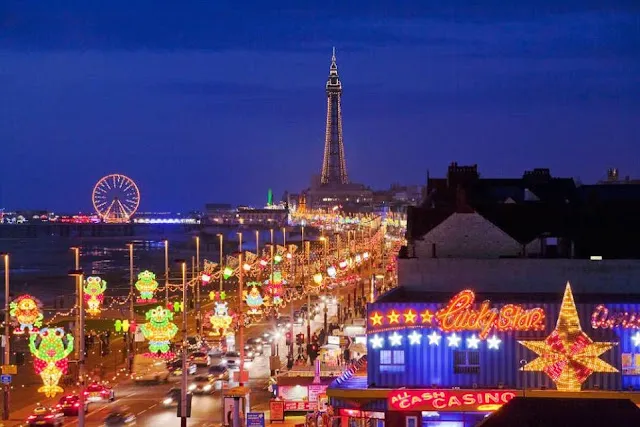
<point x="70" y="405"/>
<point x="97" y="392"/>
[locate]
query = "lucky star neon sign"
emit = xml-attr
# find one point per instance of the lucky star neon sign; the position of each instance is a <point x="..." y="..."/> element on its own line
<point x="434" y="338"/>
<point x="454" y="340"/>
<point x="414" y="338"/>
<point x="472" y="342"/>
<point x="410" y="316"/>
<point x="376" y="341"/>
<point x="568" y="356"/>
<point x="395" y="339"/>
<point x="494" y="342"/>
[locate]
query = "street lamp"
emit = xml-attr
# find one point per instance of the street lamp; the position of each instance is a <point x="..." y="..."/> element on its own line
<point x="257" y="243"/>
<point x="7" y="337"/>
<point x="131" y="298"/>
<point x="78" y="274"/>
<point x="284" y="236"/>
<point x="239" y="233"/>
<point x="183" y="388"/>
<point x="198" y="313"/>
<point x="166" y="271"/>
<point x="221" y="237"/>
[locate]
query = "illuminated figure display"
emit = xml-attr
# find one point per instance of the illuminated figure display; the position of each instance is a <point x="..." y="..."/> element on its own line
<point x="147" y="286"/>
<point x="94" y="288"/>
<point x="159" y="329"/>
<point x="220" y="318"/>
<point x="50" y="349"/>
<point x="275" y="288"/>
<point x="26" y="311"/>
<point x="253" y="298"/>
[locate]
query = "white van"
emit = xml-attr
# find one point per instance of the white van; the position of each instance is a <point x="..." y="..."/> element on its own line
<point x="149" y="369"/>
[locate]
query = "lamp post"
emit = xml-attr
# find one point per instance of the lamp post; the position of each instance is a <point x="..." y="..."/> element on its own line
<point x="221" y="237"/>
<point x="76" y="258"/>
<point x="183" y="388"/>
<point x="284" y="236"/>
<point x="257" y="243"/>
<point x="198" y="314"/>
<point x="7" y="337"/>
<point x="239" y="233"/>
<point x="78" y="274"/>
<point x="166" y="272"/>
<point x="131" y="301"/>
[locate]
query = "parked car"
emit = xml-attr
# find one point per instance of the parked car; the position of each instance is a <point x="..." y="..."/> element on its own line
<point x="97" y="392"/>
<point x="45" y="417"/>
<point x="70" y="405"/>
<point x="201" y="385"/>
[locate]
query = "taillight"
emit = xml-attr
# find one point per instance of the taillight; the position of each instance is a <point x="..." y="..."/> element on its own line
<point x="49" y="417"/>
<point x="31" y="417"/>
<point x="77" y="405"/>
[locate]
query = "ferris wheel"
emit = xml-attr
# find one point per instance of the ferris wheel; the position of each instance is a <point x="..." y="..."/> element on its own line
<point x="116" y="198"/>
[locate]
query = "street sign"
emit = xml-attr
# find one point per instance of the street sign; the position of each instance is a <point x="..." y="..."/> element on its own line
<point x="255" y="419"/>
<point x="5" y="379"/>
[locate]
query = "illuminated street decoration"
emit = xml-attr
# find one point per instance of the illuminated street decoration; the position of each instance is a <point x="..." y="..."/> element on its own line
<point x="159" y="330"/>
<point x="414" y="338"/>
<point x="94" y="288"/>
<point x="434" y="338"/>
<point x="448" y="400"/>
<point x="227" y="272"/>
<point x="601" y="318"/>
<point x="277" y="259"/>
<point x="454" y="340"/>
<point x="253" y="298"/>
<point x="494" y="343"/>
<point x="331" y="271"/>
<point x="217" y="295"/>
<point x="317" y="279"/>
<point x="123" y="325"/>
<point x="146" y="285"/>
<point x="458" y="315"/>
<point x="219" y="318"/>
<point x="26" y="311"/>
<point x="568" y="356"/>
<point x="50" y="349"/>
<point x="274" y="288"/>
<point x="206" y="278"/>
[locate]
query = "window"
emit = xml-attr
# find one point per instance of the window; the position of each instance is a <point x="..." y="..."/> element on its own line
<point x="411" y="421"/>
<point x="466" y="362"/>
<point x="391" y="360"/>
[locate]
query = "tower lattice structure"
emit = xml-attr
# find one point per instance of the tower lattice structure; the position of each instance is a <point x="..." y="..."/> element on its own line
<point x="334" y="165"/>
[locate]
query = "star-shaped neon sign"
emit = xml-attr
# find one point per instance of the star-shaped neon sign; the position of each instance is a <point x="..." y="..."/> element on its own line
<point x="395" y="339"/>
<point x="376" y="319"/>
<point x="410" y="316"/>
<point x="376" y="341"/>
<point x="473" y="341"/>
<point x="414" y="338"/>
<point x="494" y="342"/>
<point x="454" y="340"/>
<point x="393" y="317"/>
<point x="568" y="356"/>
<point x="426" y="316"/>
<point x="434" y="338"/>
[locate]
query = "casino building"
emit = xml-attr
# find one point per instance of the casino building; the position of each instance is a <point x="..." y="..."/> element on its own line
<point x="438" y="359"/>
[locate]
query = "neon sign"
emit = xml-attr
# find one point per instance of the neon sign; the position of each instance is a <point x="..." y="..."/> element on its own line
<point x="448" y="400"/>
<point x="601" y="318"/>
<point x="459" y="315"/>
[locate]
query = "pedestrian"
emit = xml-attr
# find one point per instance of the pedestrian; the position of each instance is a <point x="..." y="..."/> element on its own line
<point x="347" y="355"/>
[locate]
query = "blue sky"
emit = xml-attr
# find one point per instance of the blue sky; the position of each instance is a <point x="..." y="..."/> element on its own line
<point x="203" y="101"/>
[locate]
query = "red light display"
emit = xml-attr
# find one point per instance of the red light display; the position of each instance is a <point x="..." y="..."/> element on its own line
<point x="448" y="400"/>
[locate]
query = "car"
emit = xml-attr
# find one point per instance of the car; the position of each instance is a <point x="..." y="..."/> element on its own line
<point x="218" y="373"/>
<point x="283" y="322"/>
<point x="231" y="359"/>
<point x="97" y="392"/>
<point x="199" y="358"/>
<point x="194" y="343"/>
<point x="70" y="405"/>
<point x="254" y="345"/>
<point x="201" y="385"/>
<point x="147" y="368"/>
<point x="45" y="417"/>
<point x="175" y="367"/>
<point x="172" y="398"/>
<point x="120" y="417"/>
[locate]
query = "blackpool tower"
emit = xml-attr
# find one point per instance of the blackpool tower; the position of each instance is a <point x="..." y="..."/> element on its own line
<point x="334" y="166"/>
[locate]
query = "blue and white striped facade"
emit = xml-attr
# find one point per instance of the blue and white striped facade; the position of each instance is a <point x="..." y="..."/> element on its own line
<point x="430" y="365"/>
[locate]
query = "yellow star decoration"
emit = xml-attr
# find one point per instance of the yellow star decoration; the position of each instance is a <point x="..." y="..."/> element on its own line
<point x="410" y="317"/>
<point x="426" y="316"/>
<point x="568" y="356"/>
<point x="376" y="319"/>
<point x="393" y="317"/>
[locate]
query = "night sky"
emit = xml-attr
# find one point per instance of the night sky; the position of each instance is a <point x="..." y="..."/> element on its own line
<point x="215" y="101"/>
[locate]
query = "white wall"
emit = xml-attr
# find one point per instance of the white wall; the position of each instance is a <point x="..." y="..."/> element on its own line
<point x="520" y="275"/>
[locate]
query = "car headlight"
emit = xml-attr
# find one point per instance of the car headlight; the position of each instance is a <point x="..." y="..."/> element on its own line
<point x="192" y="387"/>
<point x="207" y="387"/>
<point x="168" y="401"/>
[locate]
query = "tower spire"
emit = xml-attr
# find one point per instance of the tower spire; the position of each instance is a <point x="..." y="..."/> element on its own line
<point x="334" y="167"/>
